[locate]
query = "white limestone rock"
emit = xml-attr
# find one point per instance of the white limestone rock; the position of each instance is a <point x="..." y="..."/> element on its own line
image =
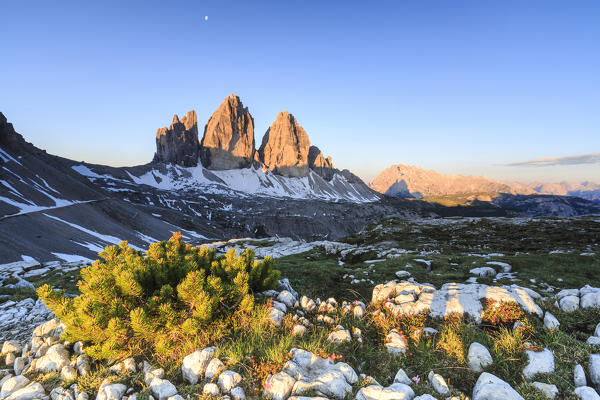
<point x="195" y="364"/>
<point x="490" y="387"/>
<point x="551" y="322"/>
<point x="211" y="389"/>
<point x="579" y="376"/>
<point x="395" y="343"/>
<point x="111" y="391"/>
<point x="586" y="393"/>
<point x="401" y="377"/>
<point x="214" y="368"/>
<point x="68" y="373"/>
<point x="287" y="298"/>
<point x="55" y="359"/>
<point x="569" y="303"/>
<point x="13" y="384"/>
<point x="595" y="369"/>
<point x="541" y="362"/>
<point x="228" y="380"/>
<point x="438" y="383"/>
<point x="279" y="386"/>
<point x="276" y="316"/>
<point x="10" y="346"/>
<point x="237" y="393"/>
<point x="396" y="391"/>
<point x="550" y="391"/>
<point x="339" y="336"/>
<point x="33" y="391"/>
<point x="162" y="388"/>
<point x="298" y="330"/>
<point x="479" y="357"/>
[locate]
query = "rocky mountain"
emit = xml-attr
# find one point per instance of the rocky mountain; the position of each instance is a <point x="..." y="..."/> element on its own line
<point x="414" y="182"/>
<point x="228" y="141"/>
<point x="321" y="165"/>
<point x="53" y="208"/>
<point x="410" y="181"/>
<point x="178" y="144"/>
<point x="284" y="148"/>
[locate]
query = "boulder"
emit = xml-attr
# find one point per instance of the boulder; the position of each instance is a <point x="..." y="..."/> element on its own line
<point x="195" y="364"/>
<point x="178" y="144"/>
<point x="298" y="330"/>
<point x="490" y="387"/>
<point x="68" y="373"/>
<point x="541" y="362"/>
<point x="228" y="141"/>
<point x="286" y="298"/>
<point x="60" y="393"/>
<point x="20" y="364"/>
<point x="276" y="316"/>
<point x="237" y="393"/>
<point x="339" y="336"/>
<point x="479" y="357"/>
<point x="284" y="148"/>
<point x="53" y="328"/>
<point x="569" y="303"/>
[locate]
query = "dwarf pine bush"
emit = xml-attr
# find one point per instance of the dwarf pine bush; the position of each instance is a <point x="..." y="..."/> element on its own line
<point x="133" y="302"/>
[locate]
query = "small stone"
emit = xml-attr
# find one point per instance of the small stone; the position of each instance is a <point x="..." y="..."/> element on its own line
<point x="214" y="368"/>
<point x="78" y="348"/>
<point x="211" y="389"/>
<point x="438" y="383"/>
<point x="396" y="391"/>
<point x="395" y="342"/>
<point x="68" y="373"/>
<point x="286" y="298"/>
<point x="550" y="391"/>
<point x="20" y="364"/>
<point x="339" y="336"/>
<point x="401" y="377"/>
<point x="541" y="362"/>
<point x="490" y="387"/>
<point x="595" y="369"/>
<point x="162" y="388"/>
<point x="60" y="393"/>
<point x="279" y="386"/>
<point x="30" y="392"/>
<point x="276" y="316"/>
<point x="479" y="357"/>
<point x="13" y="384"/>
<point x="579" y="376"/>
<point x="228" y="380"/>
<point x="10" y="359"/>
<point x="54" y="360"/>
<point x="111" y="391"/>
<point x="298" y="330"/>
<point x="586" y="393"/>
<point x="11" y="346"/>
<point x="551" y="322"/>
<point x="237" y="393"/>
<point x="195" y="364"/>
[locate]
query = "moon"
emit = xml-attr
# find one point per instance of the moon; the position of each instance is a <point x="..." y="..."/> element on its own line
<point x="206" y="17"/>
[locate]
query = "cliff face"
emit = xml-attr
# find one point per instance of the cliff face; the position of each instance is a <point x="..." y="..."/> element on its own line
<point x="321" y="165"/>
<point x="284" y="148"/>
<point x="178" y="144"/>
<point x="228" y="141"/>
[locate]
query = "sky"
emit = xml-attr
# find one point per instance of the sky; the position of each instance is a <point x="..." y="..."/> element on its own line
<point x="469" y="87"/>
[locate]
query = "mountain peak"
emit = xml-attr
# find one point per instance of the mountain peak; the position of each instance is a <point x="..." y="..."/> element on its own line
<point x="285" y="146"/>
<point x="178" y="144"/>
<point x="228" y="141"/>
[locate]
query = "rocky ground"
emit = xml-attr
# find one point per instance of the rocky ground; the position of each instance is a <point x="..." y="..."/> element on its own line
<point x="451" y="308"/>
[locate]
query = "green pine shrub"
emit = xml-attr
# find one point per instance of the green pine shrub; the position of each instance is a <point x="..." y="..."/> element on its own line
<point x="132" y="303"/>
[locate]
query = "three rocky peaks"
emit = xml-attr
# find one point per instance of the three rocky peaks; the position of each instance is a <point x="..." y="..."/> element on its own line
<point x="228" y="143"/>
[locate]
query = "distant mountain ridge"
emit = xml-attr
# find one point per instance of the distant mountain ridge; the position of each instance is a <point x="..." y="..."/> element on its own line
<point x="411" y="181"/>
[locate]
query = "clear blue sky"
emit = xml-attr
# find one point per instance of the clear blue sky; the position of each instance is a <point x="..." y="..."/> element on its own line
<point x="456" y="86"/>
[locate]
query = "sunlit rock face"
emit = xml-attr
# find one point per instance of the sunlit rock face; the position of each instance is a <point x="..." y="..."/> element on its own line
<point x="228" y="141"/>
<point x="178" y="144"/>
<point x="321" y="165"/>
<point x="284" y="148"/>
